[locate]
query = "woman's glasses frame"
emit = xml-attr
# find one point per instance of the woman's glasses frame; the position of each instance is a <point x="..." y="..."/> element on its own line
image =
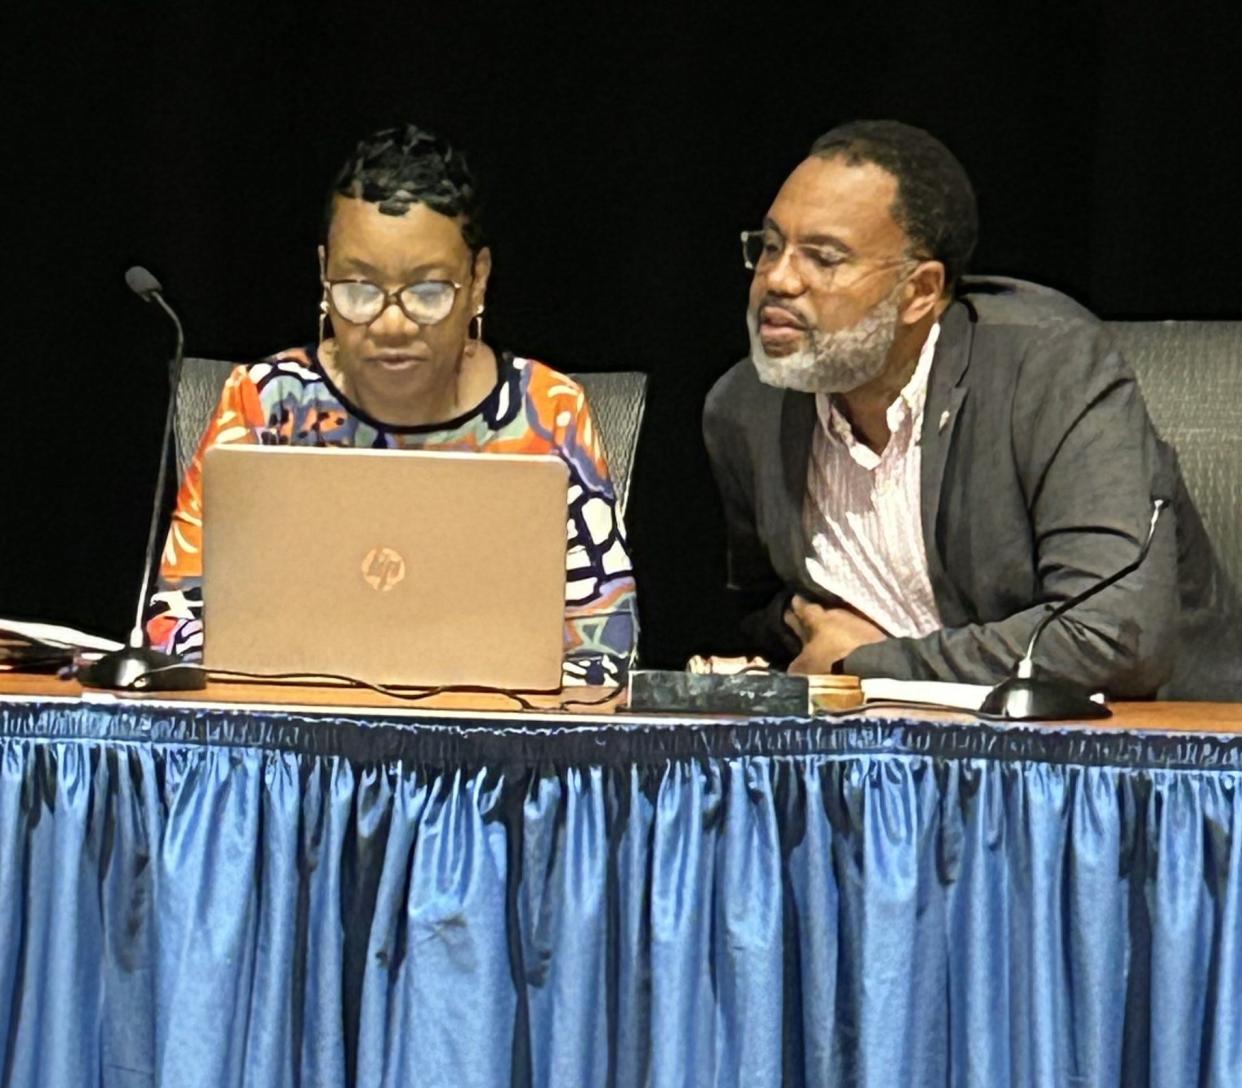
<point x="384" y="299"/>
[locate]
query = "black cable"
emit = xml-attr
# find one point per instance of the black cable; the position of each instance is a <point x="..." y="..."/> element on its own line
<point x="406" y="694"/>
<point x="607" y="697"/>
<point x="417" y="694"/>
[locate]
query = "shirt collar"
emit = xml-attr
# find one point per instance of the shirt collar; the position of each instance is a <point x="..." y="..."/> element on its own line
<point x="909" y="401"/>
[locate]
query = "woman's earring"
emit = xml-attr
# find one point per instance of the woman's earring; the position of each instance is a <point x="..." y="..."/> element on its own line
<point x="323" y="280"/>
<point x="477" y="322"/>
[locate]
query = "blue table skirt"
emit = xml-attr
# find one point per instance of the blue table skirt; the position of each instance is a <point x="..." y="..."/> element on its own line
<point x="228" y="897"/>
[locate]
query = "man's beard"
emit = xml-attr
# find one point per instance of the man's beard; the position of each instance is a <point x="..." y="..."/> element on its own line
<point x="832" y="362"/>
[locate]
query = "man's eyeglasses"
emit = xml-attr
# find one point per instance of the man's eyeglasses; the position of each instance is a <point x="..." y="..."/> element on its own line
<point x="761" y="249"/>
<point x="360" y="302"/>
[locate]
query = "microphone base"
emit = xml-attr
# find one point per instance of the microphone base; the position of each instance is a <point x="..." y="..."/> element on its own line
<point x="1031" y="699"/>
<point x="133" y="669"/>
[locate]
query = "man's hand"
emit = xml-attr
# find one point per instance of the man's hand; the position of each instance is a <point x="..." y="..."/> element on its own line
<point x="827" y="634"/>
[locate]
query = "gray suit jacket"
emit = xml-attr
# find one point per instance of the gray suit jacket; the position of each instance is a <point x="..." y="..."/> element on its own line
<point x="1039" y="467"/>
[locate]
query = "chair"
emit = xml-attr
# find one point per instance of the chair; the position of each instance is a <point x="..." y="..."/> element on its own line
<point x="197" y="394"/>
<point x="617" y="402"/>
<point x="1190" y="373"/>
<point x="617" y="399"/>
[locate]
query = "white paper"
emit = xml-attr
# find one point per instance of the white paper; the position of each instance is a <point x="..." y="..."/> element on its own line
<point x="928" y="692"/>
<point x="57" y="635"/>
<point x="933" y="693"/>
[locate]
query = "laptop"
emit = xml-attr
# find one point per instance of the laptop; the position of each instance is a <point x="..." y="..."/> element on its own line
<point x="403" y="568"/>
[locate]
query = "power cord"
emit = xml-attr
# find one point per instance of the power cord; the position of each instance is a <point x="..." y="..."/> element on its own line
<point x="405" y="694"/>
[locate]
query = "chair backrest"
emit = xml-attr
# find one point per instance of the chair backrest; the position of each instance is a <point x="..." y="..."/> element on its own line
<point x="198" y="392"/>
<point x="617" y="399"/>
<point x="1190" y="373"/>
<point x="617" y="402"/>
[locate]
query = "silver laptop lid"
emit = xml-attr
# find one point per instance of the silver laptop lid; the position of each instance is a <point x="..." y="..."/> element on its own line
<point x="396" y="567"/>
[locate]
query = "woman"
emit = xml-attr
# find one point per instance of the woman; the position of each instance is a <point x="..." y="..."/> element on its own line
<point x="405" y="275"/>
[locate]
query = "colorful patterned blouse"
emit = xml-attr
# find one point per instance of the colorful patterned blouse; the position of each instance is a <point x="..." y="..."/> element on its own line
<point x="289" y="400"/>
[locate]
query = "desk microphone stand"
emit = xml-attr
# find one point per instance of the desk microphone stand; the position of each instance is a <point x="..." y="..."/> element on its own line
<point x="136" y="665"/>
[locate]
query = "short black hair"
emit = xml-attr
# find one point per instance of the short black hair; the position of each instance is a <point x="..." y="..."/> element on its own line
<point x="405" y="165"/>
<point x="935" y="202"/>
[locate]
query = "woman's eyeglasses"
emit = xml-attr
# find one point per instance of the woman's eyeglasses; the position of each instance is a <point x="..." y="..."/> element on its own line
<point x="360" y="302"/>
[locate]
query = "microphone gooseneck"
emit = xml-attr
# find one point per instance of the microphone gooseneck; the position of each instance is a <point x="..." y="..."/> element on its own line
<point x="1027" y="697"/>
<point x="136" y="664"/>
<point x="1025" y="665"/>
<point x="174" y="371"/>
<point x="137" y="636"/>
<point x="144" y="284"/>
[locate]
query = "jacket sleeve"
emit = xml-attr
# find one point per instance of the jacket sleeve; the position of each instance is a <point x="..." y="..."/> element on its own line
<point x="758" y="596"/>
<point x="1089" y="464"/>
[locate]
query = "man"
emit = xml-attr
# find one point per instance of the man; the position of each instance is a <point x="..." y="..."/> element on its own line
<point x="914" y="466"/>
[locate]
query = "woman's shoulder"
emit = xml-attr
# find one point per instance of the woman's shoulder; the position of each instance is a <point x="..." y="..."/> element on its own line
<point x="286" y="377"/>
<point x="545" y="383"/>
<point x="294" y="365"/>
<point x="557" y="406"/>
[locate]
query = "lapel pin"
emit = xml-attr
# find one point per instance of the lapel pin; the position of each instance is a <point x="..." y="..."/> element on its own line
<point x="944" y="418"/>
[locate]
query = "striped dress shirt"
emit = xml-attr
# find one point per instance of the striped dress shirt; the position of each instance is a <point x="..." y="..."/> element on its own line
<point x="862" y="513"/>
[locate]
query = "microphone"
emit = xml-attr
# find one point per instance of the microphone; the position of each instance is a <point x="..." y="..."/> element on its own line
<point x="142" y="282"/>
<point x="136" y="662"/>
<point x="147" y="287"/>
<point x="1027" y="697"/>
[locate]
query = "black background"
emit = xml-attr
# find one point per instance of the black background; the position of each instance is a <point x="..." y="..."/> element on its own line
<point x="621" y="151"/>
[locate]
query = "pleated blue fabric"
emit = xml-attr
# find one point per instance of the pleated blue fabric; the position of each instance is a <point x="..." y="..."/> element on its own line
<point x="220" y="897"/>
